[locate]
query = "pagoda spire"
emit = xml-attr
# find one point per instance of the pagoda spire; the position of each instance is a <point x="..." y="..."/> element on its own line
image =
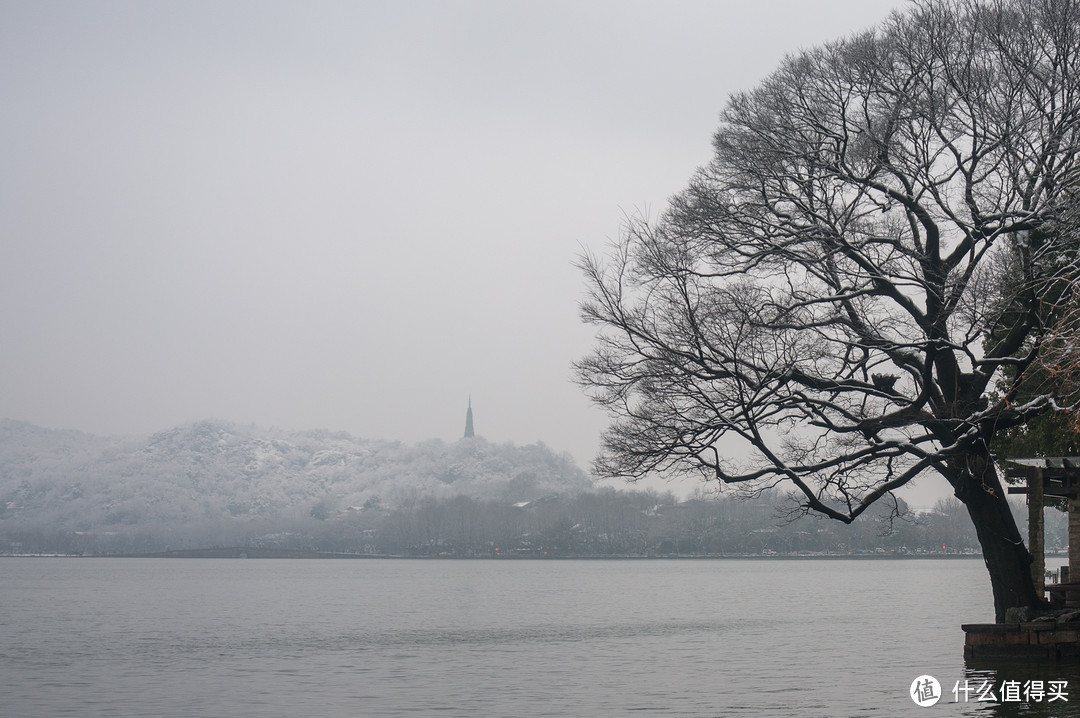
<point x="468" y="421"/>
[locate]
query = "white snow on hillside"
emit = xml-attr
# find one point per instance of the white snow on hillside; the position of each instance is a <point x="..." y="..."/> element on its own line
<point x="211" y="471"/>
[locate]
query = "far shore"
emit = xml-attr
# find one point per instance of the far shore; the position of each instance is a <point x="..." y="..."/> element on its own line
<point x="273" y="553"/>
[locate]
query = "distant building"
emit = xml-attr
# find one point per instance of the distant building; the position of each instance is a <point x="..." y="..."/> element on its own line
<point x="469" y="433"/>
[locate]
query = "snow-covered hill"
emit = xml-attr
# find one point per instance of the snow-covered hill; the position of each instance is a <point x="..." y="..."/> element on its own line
<point x="219" y="475"/>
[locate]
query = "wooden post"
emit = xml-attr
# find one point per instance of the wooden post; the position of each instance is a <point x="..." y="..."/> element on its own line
<point x="1036" y="501"/>
<point x="1074" y="538"/>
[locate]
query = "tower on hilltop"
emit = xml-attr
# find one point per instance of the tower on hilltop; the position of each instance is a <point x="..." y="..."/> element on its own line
<point x="468" y="421"/>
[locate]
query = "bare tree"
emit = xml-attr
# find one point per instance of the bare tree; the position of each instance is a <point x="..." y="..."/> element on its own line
<point x="824" y="306"/>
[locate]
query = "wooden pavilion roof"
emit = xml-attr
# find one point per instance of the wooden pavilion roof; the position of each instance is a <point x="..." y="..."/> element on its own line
<point x="1060" y="474"/>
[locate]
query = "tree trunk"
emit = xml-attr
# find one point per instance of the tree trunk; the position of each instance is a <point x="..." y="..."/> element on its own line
<point x="1006" y="557"/>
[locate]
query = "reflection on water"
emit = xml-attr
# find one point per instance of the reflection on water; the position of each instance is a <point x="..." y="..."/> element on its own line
<point x="1010" y="690"/>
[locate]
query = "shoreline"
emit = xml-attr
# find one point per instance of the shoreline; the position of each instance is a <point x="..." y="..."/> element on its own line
<point x="264" y="553"/>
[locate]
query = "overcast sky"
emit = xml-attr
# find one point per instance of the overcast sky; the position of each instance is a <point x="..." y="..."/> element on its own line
<point x="343" y="215"/>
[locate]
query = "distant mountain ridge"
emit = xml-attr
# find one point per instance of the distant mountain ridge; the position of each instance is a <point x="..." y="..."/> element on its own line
<point x="226" y="477"/>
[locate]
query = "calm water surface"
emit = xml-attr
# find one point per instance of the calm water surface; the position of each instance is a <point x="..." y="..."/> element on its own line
<point x="174" y="637"/>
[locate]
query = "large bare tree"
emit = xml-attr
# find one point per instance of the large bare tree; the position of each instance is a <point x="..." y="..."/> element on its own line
<point x="843" y="298"/>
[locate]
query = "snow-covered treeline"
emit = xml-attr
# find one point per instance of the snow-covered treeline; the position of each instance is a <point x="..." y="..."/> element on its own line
<point x="223" y="481"/>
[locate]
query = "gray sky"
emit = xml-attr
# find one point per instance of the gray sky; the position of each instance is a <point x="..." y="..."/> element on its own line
<point x="343" y="215"/>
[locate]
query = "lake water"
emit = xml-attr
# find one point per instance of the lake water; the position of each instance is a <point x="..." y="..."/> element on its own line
<point x="185" y="637"/>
